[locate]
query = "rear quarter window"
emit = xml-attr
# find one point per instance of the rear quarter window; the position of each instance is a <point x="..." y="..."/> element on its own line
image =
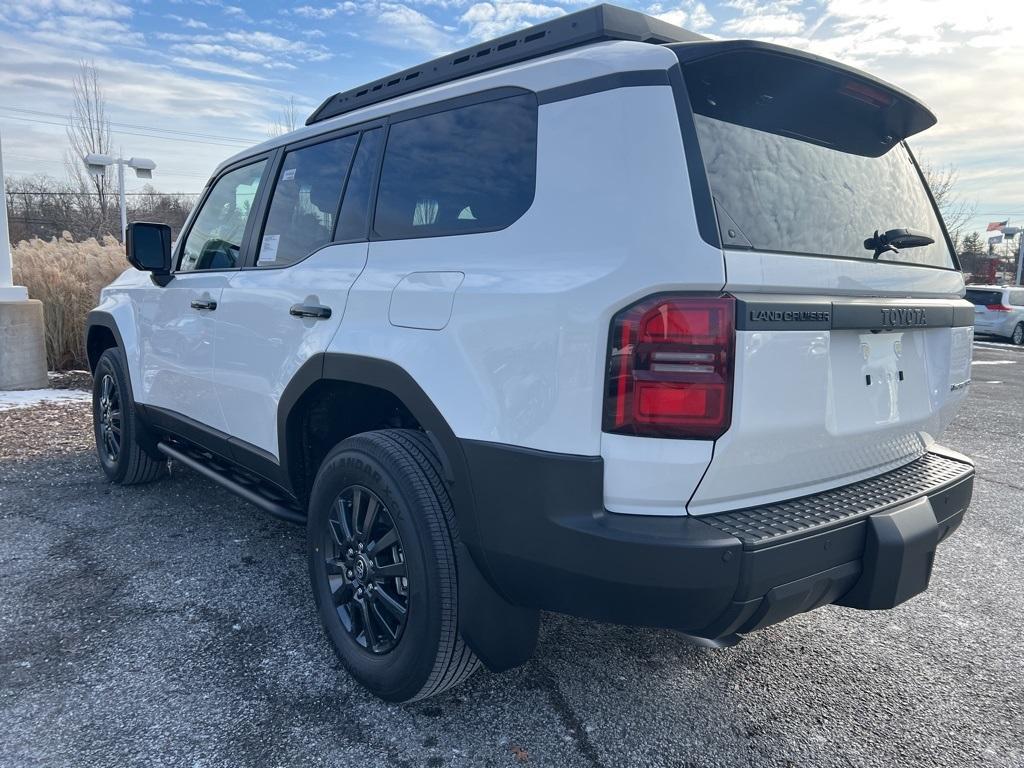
<point x="463" y="170"/>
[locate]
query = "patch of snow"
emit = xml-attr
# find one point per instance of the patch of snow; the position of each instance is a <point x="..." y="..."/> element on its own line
<point x="26" y="398"/>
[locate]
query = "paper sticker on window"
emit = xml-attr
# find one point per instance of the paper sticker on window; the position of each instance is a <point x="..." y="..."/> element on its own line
<point x="268" y="250"/>
<point x="288" y="175"/>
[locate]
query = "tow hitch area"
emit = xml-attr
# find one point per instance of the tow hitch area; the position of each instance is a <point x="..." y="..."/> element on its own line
<point x="898" y="554"/>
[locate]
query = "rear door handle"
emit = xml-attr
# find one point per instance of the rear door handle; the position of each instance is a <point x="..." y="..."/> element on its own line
<point x="316" y="311"/>
<point x="209" y="304"/>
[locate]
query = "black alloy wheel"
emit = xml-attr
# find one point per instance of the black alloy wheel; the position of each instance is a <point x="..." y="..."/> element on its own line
<point x="124" y="445"/>
<point x="109" y="416"/>
<point x="366" y="570"/>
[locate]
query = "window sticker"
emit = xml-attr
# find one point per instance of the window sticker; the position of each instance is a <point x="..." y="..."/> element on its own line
<point x="268" y="250"/>
<point x="288" y="175"/>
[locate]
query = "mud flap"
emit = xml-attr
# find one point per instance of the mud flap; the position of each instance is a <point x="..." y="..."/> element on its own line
<point x="899" y="550"/>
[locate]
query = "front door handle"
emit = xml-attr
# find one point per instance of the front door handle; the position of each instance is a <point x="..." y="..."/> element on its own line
<point x="209" y="304"/>
<point x="316" y="311"/>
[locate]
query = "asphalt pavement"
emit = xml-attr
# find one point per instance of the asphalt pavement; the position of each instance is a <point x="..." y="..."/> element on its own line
<point x="172" y="625"/>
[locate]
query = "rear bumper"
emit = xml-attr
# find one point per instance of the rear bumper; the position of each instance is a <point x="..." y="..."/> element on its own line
<point x="546" y="542"/>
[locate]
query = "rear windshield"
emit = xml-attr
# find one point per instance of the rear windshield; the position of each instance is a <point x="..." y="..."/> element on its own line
<point x="793" y="171"/>
<point x="984" y="298"/>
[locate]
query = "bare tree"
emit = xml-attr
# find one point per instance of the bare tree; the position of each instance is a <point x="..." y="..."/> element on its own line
<point x="89" y="133"/>
<point x="287" y="120"/>
<point x="955" y="210"/>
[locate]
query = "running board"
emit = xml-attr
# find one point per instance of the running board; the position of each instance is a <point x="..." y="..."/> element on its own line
<point x="250" y="494"/>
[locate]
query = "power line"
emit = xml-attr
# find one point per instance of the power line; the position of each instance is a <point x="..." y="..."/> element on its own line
<point x="196" y="134"/>
<point x="130" y="133"/>
<point x="97" y="194"/>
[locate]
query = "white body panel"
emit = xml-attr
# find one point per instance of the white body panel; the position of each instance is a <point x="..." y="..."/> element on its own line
<point x="260" y="345"/>
<point x="522" y="359"/>
<point x="804" y="417"/>
<point x="176" y="346"/>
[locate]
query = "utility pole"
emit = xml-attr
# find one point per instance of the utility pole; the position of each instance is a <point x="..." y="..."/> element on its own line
<point x="22" y="342"/>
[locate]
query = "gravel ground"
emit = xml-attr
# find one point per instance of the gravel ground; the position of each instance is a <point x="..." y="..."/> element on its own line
<point x="171" y="624"/>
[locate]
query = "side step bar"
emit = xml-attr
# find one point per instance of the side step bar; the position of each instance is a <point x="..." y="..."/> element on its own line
<point x="252" y="495"/>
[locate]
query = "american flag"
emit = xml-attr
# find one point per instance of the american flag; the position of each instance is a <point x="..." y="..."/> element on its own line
<point x="997" y="226"/>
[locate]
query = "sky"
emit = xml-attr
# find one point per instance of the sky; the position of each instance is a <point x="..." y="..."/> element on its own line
<point x="191" y="82"/>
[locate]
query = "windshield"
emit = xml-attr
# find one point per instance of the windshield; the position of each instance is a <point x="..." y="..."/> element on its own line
<point x="803" y="161"/>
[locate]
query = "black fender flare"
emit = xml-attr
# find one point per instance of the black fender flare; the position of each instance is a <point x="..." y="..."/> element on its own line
<point x="102" y="319"/>
<point x="501" y="634"/>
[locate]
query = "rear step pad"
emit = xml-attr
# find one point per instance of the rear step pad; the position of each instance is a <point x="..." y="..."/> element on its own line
<point x="251" y="491"/>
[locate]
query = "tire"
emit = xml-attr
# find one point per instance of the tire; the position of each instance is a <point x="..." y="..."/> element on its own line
<point x="120" y="435"/>
<point x="398" y="657"/>
<point x="1018" y="335"/>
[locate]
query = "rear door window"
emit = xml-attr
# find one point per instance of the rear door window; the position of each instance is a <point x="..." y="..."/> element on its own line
<point x="467" y="169"/>
<point x="984" y="298"/>
<point x="1017" y="298"/>
<point x="798" y="163"/>
<point x="304" y="207"/>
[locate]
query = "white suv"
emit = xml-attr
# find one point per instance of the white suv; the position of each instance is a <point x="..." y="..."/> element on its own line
<point x="998" y="310"/>
<point x="600" y="317"/>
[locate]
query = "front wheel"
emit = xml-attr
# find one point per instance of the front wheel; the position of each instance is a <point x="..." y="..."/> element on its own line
<point x="119" y="433"/>
<point x="381" y="545"/>
<point x="1018" y="335"/>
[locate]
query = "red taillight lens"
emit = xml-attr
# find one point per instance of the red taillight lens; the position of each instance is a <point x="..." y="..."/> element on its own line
<point x="670" y="367"/>
<point x="998" y="308"/>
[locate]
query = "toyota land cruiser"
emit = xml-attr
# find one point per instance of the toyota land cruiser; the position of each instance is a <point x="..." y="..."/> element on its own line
<point x="600" y="317"/>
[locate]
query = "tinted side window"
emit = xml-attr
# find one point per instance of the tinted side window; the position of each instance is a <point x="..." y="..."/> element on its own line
<point x="215" y="240"/>
<point x="305" y="202"/>
<point x="984" y="298"/>
<point x="470" y="169"/>
<point x="353" y="222"/>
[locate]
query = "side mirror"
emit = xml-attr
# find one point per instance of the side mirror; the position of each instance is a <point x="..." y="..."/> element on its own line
<point x="148" y="247"/>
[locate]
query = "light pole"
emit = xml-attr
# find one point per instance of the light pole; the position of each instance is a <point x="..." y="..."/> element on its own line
<point x="97" y="166"/>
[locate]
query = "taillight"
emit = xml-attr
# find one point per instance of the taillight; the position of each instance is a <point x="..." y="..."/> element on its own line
<point x="670" y="368"/>
<point x="998" y="307"/>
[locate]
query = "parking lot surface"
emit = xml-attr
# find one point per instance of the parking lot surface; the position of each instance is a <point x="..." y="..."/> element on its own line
<point x="172" y="624"/>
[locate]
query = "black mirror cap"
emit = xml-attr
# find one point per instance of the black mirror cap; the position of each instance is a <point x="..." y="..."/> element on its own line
<point x="148" y="247"/>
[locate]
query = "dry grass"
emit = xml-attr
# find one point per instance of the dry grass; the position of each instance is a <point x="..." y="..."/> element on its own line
<point x="67" y="277"/>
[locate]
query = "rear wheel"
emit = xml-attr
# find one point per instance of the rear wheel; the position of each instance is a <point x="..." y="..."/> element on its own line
<point x="1018" y="335"/>
<point x="381" y="536"/>
<point x="120" y="436"/>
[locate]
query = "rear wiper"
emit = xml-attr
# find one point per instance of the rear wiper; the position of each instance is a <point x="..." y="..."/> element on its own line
<point x="894" y="239"/>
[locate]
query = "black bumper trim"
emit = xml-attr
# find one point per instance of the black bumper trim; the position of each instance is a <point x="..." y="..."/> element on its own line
<point x="772" y="524"/>
<point x="551" y="545"/>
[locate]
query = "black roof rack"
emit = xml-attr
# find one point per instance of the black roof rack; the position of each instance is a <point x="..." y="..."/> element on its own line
<point x="602" y="22"/>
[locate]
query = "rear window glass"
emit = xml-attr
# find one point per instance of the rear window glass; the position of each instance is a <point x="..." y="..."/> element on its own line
<point x="794" y="179"/>
<point x="984" y="298"/>
<point x="468" y="169"/>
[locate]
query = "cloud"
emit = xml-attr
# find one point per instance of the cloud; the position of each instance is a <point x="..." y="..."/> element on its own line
<point x="766" y="24"/>
<point x="490" y="20"/>
<point x="691" y="15"/>
<point x="400" y="26"/>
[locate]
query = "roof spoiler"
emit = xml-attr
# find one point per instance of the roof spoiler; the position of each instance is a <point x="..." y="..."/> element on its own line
<point x="794" y="93"/>
<point x="602" y="22"/>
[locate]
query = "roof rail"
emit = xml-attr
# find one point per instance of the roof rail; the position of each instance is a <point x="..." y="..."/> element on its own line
<point x="602" y="22"/>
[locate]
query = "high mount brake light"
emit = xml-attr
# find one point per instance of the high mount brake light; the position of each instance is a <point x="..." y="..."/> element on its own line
<point x="670" y="368"/>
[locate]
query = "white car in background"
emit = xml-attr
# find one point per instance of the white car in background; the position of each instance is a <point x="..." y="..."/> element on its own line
<point x="998" y="310"/>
